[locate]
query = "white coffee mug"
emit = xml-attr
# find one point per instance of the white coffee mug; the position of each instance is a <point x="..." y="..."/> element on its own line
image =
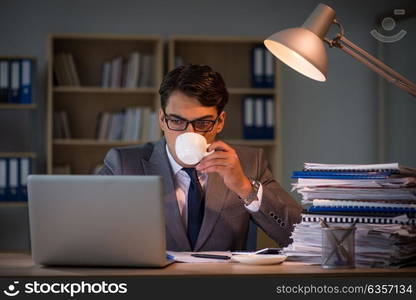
<point x="191" y="147"/>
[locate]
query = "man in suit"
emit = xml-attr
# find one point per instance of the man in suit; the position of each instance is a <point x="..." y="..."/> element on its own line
<point x="207" y="206"/>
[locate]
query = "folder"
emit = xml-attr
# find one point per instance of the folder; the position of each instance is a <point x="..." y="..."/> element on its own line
<point x="14" y="81"/>
<point x="3" y="179"/>
<point x="269" y="69"/>
<point x="13" y="179"/>
<point x="4" y="80"/>
<point x="105" y="74"/>
<point x="359" y="218"/>
<point x="259" y="119"/>
<point x="26" y="81"/>
<point x="270" y="118"/>
<point x="257" y="66"/>
<point x="248" y="118"/>
<point x="24" y="171"/>
<point x="371" y="210"/>
<point x="340" y="175"/>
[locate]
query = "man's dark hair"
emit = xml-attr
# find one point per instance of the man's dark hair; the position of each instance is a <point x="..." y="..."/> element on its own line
<point x="198" y="81"/>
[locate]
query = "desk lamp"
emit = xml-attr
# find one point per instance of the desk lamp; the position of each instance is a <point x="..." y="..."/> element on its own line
<point x="303" y="49"/>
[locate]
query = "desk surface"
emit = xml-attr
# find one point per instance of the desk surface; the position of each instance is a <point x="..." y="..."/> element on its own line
<point x="21" y="265"/>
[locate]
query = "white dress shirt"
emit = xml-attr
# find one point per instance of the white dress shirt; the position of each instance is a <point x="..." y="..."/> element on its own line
<point x="182" y="182"/>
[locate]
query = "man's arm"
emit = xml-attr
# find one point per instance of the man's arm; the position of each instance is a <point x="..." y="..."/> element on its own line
<point x="278" y="211"/>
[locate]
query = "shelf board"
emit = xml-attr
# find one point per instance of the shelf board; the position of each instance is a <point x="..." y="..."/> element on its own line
<point x="255" y="91"/>
<point x="148" y="90"/>
<point x="270" y="143"/>
<point x="17" y="106"/>
<point x="96" y="90"/>
<point x="92" y="142"/>
<point x="18" y="154"/>
<point x="17" y="57"/>
<point x="115" y="37"/>
<point x="13" y="204"/>
<point x="217" y="39"/>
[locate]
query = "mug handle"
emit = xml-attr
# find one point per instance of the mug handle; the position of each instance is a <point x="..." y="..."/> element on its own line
<point x="210" y="152"/>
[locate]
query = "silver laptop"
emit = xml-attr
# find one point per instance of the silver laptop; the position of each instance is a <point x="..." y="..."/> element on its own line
<point x="97" y="220"/>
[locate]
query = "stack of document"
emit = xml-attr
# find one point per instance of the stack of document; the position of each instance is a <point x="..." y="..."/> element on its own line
<point x="380" y="199"/>
<point x="376" y="245"/>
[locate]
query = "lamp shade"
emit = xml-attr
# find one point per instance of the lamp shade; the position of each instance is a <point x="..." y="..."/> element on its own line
<point x="302" y="48"/>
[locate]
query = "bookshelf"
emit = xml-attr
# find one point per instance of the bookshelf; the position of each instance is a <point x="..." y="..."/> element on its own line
<point x="231" y="56"/>
<point x="84" y="103"/>
<point x="16" y="99"/>
<point x="19" y="120"/>
<point x="8" y="106"/>
<point x="30" y="155"/>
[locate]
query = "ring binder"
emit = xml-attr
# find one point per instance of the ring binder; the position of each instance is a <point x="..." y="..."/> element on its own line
<point x="347" y="218"/>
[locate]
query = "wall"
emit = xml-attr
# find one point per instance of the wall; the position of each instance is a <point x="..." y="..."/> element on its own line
<point x="400" y="120"/>
<point x="329" y="122"/>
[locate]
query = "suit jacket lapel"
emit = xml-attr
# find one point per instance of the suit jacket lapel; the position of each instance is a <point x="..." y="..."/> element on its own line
<point x="214" y="201"/>
<point x="158" y="164"/>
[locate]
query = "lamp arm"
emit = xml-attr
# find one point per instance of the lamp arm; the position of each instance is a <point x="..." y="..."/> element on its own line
<point x="373" y="63"/>
<point x="377" y="62"/>
<point x="379" y="71"/>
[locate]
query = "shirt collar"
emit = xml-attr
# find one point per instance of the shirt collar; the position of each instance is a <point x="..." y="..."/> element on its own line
<point x="175" y="166"/>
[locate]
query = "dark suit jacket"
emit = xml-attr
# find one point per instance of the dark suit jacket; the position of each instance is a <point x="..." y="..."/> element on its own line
<point x="226" y="220"/>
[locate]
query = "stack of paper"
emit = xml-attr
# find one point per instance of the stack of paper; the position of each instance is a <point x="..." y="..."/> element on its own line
<point x="380" y="199"/>
<point x="375" y="245"/>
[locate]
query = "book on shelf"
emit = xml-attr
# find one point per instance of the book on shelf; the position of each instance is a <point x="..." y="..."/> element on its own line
<point x="258" y="117"/>
<point x="16" y="80"/>
<point x="269" y="69"/>
<point x="26" y="81"/>
<point x="13" y="178"/>
<point x="116" y="72"/>
<point x="116" y="127"/>
<point x="146" y="111"/>
<point x="262" y="67"/>
<point x="61" y="126"/>
<point x="73" y="70"/>
<point x="103" y="125"/>
<point x="135" y="71"/>
<point x="65" y="70"/>
<point x="146" y="77"/>
<point x="106" y="74"/>
<point x="133" y="67"/>
<point x="4" y="81"/>
<point x="130" y="124"/>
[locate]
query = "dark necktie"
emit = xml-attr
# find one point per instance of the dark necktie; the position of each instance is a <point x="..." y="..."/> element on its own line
<point x="195" y="206"/>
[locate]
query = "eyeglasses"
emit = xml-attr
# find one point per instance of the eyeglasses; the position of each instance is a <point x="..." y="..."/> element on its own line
<point x="177" y="124"/>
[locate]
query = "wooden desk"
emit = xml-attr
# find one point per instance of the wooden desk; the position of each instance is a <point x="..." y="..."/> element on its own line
<point x="21" y="265"/>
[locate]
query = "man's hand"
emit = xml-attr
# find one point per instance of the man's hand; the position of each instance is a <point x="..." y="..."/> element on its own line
<point x="226" y="163"/>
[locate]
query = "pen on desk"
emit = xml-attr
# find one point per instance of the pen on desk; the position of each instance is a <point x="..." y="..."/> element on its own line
<point x="215" y="256"/>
